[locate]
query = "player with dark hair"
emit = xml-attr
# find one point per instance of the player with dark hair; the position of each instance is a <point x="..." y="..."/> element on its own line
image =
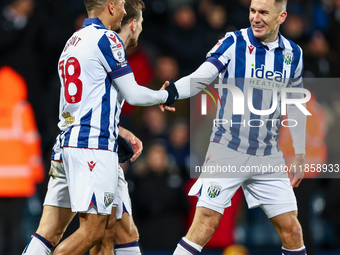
<point x="96" y="79"/>
<point x="124" y="234"/>
<point x="257" y="62"/>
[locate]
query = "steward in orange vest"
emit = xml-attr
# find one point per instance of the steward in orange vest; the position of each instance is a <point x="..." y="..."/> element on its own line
<point x="21" y="166"/>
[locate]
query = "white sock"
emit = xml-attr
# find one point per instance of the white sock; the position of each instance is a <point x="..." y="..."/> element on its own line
<point x="127" y="249"/>
<point x="300" y="251"/>
<point x="186" y="247"/>
<point x="38" y="246"/>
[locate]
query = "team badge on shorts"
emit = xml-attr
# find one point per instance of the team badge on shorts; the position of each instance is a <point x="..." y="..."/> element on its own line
<point x="108" y="198"/>
<point x="214" y="190"/>
<point x="288" y="57"/>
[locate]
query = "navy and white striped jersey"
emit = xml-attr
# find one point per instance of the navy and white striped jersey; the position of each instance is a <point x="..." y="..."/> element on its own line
<point x="90" y="104"/>
<point x="244" y="61"/>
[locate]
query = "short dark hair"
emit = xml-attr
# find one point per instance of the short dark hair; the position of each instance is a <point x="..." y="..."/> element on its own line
<point x="132" y="8"/>
<point x="90" y="5"/>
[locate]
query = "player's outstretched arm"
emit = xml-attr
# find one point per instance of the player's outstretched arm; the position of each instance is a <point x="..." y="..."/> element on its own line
<point x="190" y="85"/>
<point x="142" y="96"/>
<point x="136" y="144"/>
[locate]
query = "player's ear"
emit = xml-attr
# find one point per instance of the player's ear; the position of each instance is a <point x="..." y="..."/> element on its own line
<point x="133" y="25"/>
<point x="282" y="17"/>
<point x="111" y="7"/>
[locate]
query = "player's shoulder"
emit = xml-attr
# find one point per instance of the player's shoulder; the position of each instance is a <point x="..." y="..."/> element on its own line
<point x="113" y="37"/>
<point x="291" y="45"/>
<point x="238" y="36"/>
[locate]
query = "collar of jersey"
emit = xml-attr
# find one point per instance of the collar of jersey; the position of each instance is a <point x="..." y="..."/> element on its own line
<point x="257" y="43"/>
<point x="95" y="21"/>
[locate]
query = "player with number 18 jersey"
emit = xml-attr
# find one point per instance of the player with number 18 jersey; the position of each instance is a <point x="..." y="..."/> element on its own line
<point x="93" y="70"/>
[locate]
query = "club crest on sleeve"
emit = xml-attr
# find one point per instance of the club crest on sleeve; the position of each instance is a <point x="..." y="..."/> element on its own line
<point x="214" y="190"/>
<point x="288" y="57"/>
<point x="108" y="198"/>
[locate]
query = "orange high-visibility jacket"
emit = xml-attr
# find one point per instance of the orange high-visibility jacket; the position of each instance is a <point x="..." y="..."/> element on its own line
<point x="316" y="148"/>
<point x="21" y="166"/>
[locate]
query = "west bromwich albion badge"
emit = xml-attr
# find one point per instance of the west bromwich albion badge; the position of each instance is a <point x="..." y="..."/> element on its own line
<point x="108" y="198"/>
<point x="288" y="57"/>
<point x="214" y="190"/>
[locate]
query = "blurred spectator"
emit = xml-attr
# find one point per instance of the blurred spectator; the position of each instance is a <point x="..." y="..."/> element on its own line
<point x="181" y="34"/>
<point x="319" y="60"/>
<point x="179" y="146"/>
<point x="238" y="13"/>
<point x="294" y="29"/>
<point x="153" y="125"/>
<point x="143" y="71"/>
<point x="166" y="68"/>
<point x="158" y="199"/>
<point x="22" y="47"/>
<point x="216" y="22"/>
<point x="333" y="33"/>
<point x="21" y="166"/>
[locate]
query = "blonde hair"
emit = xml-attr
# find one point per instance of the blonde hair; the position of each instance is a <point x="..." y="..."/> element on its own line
<point x="283" y="3"/>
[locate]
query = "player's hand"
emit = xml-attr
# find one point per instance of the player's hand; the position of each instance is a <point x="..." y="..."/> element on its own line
<point x="137" y="147"/>
<point x="297" y="170"/>
<point x="164" y="107"/>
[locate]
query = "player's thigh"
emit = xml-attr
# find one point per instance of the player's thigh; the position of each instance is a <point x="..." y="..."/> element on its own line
<point x="92" y="178"/>
<point x="271" y="190"/>
<point x="53" y="222"/>
<point x="126" y="230"/>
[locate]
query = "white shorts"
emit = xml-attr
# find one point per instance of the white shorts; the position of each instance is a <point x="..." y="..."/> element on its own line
<point x="123" y="198"/>
<point x="58" y="194"/>
<point x="270" y="190"/>
<point x="91" y="180"/>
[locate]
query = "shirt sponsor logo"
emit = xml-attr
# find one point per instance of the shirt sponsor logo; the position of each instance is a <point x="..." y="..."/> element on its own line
<point x="268" y="80"/>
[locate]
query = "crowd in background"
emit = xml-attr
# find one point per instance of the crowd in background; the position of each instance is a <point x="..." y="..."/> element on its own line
<point x="176" y="36"/>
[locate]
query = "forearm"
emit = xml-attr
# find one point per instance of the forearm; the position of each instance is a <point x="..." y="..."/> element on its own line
<point x="125" y="133"/>
<point x="190" y="85"/>
<point x="297" y="126"/>
<point x="139" y="95"/>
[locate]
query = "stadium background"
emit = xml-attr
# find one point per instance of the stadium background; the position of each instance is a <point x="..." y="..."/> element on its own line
<point x="176" y="36"/>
